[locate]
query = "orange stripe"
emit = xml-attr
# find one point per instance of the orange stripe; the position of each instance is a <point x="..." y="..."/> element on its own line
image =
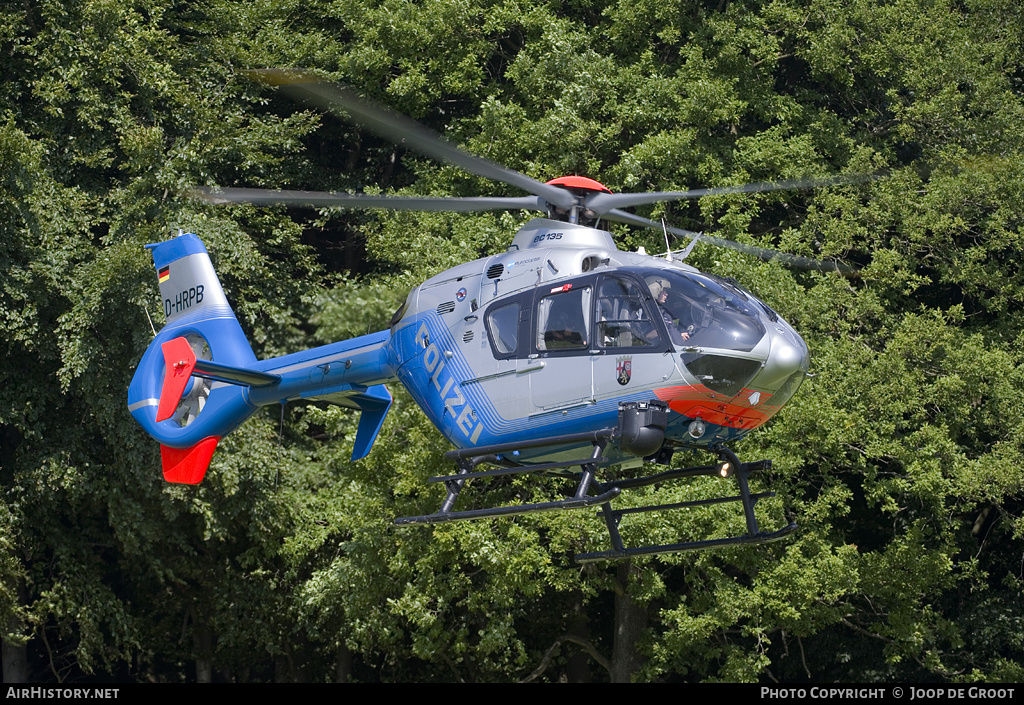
<point x="696" y="400"/>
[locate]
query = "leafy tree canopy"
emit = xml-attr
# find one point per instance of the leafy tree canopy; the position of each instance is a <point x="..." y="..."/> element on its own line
<point x="899" y="457"/>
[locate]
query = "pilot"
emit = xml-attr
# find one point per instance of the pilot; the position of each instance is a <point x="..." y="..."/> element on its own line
<point x="659" y="290"/>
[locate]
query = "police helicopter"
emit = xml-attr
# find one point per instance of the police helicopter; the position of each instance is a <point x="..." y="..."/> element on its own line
<point x="562" y="356"/>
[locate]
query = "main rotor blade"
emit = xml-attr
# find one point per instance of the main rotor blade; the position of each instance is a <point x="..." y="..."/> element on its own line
<point x="630" y="219"/>
<point x="323" y="199"/>
<point x="402" y="130"/>
<point x="759" y="252"/>
<point x="605" y="202"/>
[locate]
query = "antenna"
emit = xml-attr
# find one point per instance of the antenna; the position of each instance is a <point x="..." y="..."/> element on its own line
<point x="668" y="247"/>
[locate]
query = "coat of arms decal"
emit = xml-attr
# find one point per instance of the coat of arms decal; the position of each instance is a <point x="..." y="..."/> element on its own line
<point x="623" y="369"/>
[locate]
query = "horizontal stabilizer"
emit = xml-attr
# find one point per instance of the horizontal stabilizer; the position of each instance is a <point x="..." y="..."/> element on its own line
<point x="234" y="375"/>
<point x="188" y="465"/>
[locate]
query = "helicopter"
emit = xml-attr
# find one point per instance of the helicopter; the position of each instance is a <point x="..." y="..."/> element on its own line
<point x="563" y="356"/>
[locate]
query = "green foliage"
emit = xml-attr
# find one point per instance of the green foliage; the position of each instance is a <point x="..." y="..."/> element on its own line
<point x="899" y="457"/>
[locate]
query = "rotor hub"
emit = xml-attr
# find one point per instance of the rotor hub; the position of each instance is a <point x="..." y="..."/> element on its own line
<point x="578" y="213"/>
<point x="579" y="182"/>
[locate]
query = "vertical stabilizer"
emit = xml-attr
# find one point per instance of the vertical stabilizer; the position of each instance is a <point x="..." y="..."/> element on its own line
<point x="186" y="413"/>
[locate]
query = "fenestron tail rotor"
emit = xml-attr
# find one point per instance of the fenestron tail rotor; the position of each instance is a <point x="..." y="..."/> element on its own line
<point x="574" y="198"/>
<point x="193" y="400"/>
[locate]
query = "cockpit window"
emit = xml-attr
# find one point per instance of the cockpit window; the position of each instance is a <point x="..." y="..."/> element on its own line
<point x="563" y="320"/>
<point x="623" y="321"/>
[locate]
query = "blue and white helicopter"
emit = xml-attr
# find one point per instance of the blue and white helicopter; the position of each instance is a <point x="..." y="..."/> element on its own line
<point x="561" y="356"/>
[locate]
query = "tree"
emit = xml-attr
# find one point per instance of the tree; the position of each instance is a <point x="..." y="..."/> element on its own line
<point x="896" y="458"/>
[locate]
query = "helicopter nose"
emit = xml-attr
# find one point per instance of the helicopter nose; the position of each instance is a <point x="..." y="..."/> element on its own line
<point x="787" y="362"/>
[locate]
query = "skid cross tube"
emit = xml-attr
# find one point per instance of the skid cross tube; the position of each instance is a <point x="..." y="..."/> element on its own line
<point x="469" y="458"/>
<point x="517" y="470"/>
<point x="594" y="437"/>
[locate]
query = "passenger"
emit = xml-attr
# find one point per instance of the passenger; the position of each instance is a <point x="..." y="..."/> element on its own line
<point x="564" y="331"/>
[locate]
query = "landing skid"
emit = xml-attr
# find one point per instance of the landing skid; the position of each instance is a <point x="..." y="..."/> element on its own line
<point x="469" y="459"/>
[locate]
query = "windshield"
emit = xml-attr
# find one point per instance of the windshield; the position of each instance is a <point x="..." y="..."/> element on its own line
<point x="709" y="318"/>
<point x="703" y="312"/>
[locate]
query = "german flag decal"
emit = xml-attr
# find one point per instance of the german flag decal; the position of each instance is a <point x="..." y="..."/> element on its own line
<point x="164" y="273"/>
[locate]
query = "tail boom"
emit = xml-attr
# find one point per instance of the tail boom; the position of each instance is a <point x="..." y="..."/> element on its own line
<point x="349" y="373"/>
